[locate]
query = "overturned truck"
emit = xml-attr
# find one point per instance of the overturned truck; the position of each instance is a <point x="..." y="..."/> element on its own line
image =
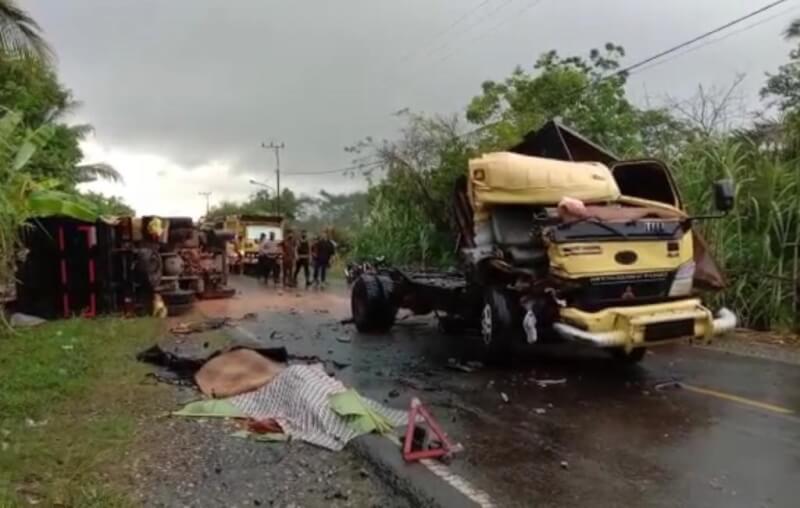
<point x="560" y="240"/>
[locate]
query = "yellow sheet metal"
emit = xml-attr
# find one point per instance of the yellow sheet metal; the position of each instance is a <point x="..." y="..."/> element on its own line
<point x="584" y="259"/>
<point x="509" y="178"/>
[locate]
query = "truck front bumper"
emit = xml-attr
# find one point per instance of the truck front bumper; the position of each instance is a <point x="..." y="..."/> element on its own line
<point x="644" y="325"/>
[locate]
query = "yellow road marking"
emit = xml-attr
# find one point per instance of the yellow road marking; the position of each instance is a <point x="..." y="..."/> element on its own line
<point x="741" y="400"/>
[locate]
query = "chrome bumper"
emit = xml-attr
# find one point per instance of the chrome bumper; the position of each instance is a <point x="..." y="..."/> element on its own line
<point x="724" y="322"/>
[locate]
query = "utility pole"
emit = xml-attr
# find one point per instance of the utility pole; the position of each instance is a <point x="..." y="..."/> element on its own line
<point x="277" y="147"/>
<point x="208" y="196"/>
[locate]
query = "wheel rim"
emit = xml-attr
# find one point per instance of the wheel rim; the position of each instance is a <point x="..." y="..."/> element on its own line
<point x="486" y="324"/>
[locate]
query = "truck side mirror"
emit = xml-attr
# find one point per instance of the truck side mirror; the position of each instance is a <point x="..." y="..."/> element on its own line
<point x="724" y="195"/>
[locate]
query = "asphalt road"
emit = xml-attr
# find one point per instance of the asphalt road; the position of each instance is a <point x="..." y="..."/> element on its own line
<point x="726" y="435"/>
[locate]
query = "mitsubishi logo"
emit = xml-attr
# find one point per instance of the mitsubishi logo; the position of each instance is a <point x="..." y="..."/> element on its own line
<point x="628" y="293"/>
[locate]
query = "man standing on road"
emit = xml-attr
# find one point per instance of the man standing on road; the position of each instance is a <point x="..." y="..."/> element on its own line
<point x="324" y="252"/>
<point x="303" y="254"/>
<point x="271" y="252"/>
<point x="289" y="247"/>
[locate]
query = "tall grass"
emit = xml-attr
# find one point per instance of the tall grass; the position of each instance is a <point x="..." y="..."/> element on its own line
<point x="402" y="234"/>
<point x="757" y="243"/>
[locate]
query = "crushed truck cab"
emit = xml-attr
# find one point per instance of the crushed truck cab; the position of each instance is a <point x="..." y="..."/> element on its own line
<point x="560" y="240"/>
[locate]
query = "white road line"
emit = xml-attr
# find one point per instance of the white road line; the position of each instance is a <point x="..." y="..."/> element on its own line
<point x="474" y="494"/>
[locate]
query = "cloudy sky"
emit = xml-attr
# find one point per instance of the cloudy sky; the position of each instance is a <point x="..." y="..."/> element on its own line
<point x="182" y="92"/>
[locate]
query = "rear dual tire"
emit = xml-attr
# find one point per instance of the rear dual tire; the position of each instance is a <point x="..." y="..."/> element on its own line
<point x="372" y="302"/>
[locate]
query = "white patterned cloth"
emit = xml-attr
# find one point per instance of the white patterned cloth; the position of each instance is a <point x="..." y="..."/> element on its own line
<point x="298" y="399"/>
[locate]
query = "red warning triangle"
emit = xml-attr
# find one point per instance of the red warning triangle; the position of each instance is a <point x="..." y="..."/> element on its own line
<point x="447" y="447"/>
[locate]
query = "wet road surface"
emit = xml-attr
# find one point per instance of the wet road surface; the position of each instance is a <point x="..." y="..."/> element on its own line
<point x="609" y="436"/>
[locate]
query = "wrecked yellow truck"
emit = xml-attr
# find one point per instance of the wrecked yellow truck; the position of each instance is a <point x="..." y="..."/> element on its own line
<point x="560" y="241"/>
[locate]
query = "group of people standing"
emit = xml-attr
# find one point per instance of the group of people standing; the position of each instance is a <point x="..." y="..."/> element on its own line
<point x="290" y="255"/>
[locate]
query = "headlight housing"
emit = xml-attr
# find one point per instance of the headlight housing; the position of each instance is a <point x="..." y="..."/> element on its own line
<point x="682" y="283"/>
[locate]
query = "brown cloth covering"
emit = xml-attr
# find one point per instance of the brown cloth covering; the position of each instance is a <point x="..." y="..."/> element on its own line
<point x="235" y="372"/>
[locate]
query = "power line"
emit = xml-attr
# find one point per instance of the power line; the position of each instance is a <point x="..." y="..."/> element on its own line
<point x="370" y="165"/>
<point x="494" y="27"/>
<point x="700" y="37"/>
<point x="488" y="16"/>
<point x="722" y="38"/>
<point x="631" y="69"/>
<point x="446" y="31"/>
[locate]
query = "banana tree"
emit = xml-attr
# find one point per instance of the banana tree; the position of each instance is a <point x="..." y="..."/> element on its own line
<point x="21" y="196"/>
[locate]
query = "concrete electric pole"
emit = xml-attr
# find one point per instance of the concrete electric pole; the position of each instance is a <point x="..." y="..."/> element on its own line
<point x="277" y="147"/>
<point x="208" y="197"/>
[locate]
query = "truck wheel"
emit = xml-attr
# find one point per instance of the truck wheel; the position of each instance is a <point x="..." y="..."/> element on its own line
<point x="372" y="304"/>
<point x="500" y="322"/>
<point x="635" y="356"/>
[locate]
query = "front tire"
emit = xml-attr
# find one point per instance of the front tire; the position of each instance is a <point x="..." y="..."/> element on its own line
<point x="501" y="323"/>
<point x="372" y="303"/>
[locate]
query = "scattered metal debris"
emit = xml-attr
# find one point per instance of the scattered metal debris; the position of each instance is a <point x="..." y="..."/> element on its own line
<point x="544" y="383"/>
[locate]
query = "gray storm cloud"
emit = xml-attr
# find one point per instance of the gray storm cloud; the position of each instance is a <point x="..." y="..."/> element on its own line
<point x="204" y="80"/>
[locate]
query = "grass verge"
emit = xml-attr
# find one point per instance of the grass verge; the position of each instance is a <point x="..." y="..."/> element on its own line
<point x="72" y="397"/>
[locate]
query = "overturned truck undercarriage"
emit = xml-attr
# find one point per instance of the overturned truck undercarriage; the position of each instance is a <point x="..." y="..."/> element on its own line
<point x="560" y="240"/>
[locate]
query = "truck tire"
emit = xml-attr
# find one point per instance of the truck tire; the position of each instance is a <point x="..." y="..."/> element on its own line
<point x="372" y="303"/>
<point x="635" y="356"/>
<point x="501" y="322"/>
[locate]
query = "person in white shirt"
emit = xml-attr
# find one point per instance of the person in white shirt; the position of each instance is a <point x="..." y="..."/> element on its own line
<point x="270" y="255"/>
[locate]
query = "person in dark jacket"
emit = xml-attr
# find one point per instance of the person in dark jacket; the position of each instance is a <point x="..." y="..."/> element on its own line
<point x="303" y="257"/>
<point x="324" y="251"/>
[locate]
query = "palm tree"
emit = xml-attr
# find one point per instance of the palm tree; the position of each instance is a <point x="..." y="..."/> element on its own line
<point x="97" y="171"/>
<point x="20" y="34"/>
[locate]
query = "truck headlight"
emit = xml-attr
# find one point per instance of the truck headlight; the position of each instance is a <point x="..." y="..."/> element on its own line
<point x="682" y="283"/>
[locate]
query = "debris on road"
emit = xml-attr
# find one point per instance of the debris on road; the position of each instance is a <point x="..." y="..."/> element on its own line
<point x="564" y="464"/>
<point x="540" y="410"/>
<point x="270" y="437"/>
<point x="414" y="385"/>
<point x="200" y="326"/>
<point x="344" y="338"/>
<point x="544" y="383"/>
<point x="454" y="364"/>
<point x="394" y="394"/>
<point x="504" y="397"/>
